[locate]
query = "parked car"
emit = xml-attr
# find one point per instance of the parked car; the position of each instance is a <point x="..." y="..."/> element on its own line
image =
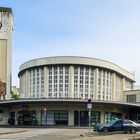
<point x="122" y="125"/>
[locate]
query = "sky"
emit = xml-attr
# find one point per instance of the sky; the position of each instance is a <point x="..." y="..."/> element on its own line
<point x="104" y="29"/>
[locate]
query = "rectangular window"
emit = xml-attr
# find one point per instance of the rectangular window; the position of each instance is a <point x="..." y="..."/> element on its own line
<point x="131" y="98"/>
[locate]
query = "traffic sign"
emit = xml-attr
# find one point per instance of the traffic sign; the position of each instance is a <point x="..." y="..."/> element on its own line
<point x="89" y="106"/>
<point x="89" y="101"/>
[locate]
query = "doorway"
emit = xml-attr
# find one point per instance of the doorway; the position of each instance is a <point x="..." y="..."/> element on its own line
<point x="27" y="118"/>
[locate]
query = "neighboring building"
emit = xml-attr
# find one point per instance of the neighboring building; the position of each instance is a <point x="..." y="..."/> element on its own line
<point x="133" y="96"/>
<point x="6" y="28"/>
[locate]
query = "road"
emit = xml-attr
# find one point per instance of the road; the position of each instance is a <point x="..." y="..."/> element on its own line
<point x="59" y="134"/>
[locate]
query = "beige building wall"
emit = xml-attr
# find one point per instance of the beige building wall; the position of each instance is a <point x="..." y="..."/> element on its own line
<point x="3" y="60"/>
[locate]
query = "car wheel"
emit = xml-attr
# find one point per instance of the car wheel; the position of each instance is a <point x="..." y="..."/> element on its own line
<point x="133" y="130"/>
<point x="105" y="129"/>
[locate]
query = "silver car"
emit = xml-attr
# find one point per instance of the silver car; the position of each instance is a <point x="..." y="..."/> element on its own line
<point x="120" y="125"/>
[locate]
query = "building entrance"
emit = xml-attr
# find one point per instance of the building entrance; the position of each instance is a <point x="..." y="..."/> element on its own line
<point x="27" y="118"/>
<point x="54" y="117"/>
<point x="81" y="118"/>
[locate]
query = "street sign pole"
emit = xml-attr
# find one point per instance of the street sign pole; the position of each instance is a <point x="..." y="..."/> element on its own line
<point x="89" y="106"/>
<point x="89" y="119"/>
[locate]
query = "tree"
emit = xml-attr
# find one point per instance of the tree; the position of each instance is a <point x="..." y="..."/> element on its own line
<point x="2" y="90"/>
<point x="14" y="96"/>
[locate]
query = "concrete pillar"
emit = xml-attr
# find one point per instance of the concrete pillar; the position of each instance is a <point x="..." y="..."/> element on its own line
<point x="27" y="85"/>
<point x="71" y="118"/>
<point x="38" y="116"/>
<point x="95" y="96"/>
<point x="71" y="82"/>
<point x="46" y="82"/>
<point x="89" y="83"/>
<point x="16" y="117"/>
<point x="102" y="117"/>
<point x="123" y="89"/>
<point x="20" y="84"/>
<point x="113" y="86"/>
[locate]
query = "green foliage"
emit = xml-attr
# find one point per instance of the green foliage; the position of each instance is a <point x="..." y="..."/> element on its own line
<point x="14" y="96"/>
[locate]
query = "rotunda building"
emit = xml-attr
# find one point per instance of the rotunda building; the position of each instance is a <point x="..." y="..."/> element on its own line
<point x="74" y="77"/>
<point x="55" y="90"/>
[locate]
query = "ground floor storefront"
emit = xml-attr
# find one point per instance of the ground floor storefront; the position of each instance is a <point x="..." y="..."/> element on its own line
<point x="64" y="112"/>
<point x="60" y="117"/>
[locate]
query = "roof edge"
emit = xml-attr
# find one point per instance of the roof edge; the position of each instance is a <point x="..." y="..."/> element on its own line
<point x="7" y="9"/>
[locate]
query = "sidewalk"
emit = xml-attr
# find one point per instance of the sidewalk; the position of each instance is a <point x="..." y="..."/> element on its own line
<point x="4" y="131"/>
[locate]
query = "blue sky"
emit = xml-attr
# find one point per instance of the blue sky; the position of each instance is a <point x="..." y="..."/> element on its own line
<point x="104" y="29"/>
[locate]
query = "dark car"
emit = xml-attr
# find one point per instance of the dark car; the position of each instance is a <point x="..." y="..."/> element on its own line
<point x="119" y="125"/>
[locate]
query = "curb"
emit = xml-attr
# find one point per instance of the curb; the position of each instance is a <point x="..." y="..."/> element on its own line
<point x="4" y="133"/>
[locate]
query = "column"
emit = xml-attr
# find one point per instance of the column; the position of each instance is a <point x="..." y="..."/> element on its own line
<point x="16" y="117"/>
<point x="71" y="118"/>
<point x="95" y="96"/>
<point x="101" y="90"/>
<point x="102" y="117"/>
<point x="20" y="90"/>
<point x="113" y="86"/>
<point x="71" y="82"/>
<point x="83" y="83"/>
<point x="123" y="89"/>
<point x="27" y="85"/>
<point x="89" y="83"/>
<point x="46" y="82"/>
<point x="38" y="116"/>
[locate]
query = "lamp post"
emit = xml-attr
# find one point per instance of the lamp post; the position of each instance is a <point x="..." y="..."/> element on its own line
<point x="45" y="111"/>
<point x="89" y="106"/>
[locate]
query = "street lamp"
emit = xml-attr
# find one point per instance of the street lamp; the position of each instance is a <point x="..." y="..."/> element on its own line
<point x="89" y="106"/>
<point x="45" y="112"/>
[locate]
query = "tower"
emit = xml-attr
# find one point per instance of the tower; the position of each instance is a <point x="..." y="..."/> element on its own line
<point x="6" y="28"/>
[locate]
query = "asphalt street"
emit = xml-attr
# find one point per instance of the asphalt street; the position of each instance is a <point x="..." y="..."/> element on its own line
<point x="60" y="134"/>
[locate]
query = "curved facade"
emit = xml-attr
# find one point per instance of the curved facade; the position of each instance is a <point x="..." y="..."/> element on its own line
<point x="54" y="91"/>
<point x="74" y="77"/>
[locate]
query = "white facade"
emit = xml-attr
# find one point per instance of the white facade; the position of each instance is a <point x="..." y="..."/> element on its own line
<point x="6" y="28"/>
<point x="74" y="77"/>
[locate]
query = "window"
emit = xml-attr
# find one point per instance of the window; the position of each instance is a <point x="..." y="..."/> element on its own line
<point x="127" y="122"/>
<point x="117" y="124"/>
<point x="131" y="98"/>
